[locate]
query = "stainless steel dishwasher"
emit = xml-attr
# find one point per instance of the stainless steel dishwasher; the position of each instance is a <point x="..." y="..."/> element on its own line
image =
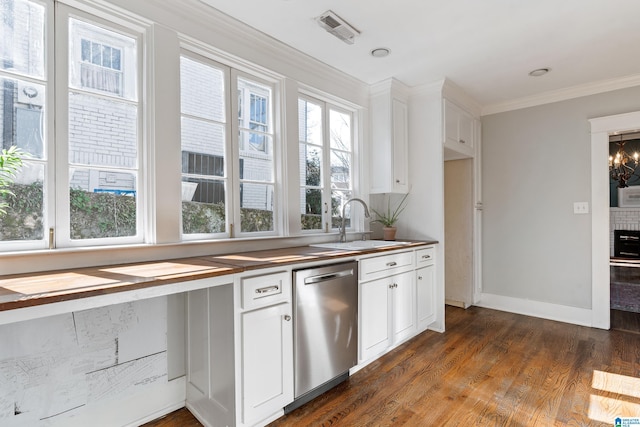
<point x="325" y="328"/>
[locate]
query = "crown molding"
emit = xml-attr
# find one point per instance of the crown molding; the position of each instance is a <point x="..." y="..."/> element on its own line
<point x="563" y="94"/>
<point x="390" y="85"/>
<point x="196" y="20"/>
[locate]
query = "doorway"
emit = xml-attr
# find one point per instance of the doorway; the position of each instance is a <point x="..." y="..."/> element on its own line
<point x="601" y="129"/>
<point x="459" y="232"/>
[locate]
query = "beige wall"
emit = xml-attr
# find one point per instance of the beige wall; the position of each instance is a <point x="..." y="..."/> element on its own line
<point x="458" y="231"/>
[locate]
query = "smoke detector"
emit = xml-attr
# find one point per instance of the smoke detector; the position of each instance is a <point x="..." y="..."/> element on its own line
<point x="337" y="26"/>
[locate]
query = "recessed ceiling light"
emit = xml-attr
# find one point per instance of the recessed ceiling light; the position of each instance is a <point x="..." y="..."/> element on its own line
<point x="539" y="72"/>
<point x="380" y="52"/>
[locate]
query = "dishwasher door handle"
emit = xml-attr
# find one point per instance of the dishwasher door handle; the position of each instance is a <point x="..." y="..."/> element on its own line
<point x="325" y="277"/>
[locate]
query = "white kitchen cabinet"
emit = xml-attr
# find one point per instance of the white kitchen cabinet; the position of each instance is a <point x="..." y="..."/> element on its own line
<point x="389" y="138"/>
<point x="425" y="287"/>
<point x="266" y="347"/>
<point x="403" y="306"/>
<point x="267" y="362"/>
<point x="387" y="302"/>
<point x="375" y="335"/>
<point x="425" y="296"/>
<point x="458" y="131"/>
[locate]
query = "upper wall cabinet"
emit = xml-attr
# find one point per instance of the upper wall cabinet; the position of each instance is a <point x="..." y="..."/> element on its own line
<point x="389" y="138"/>
<point x="458" y="132"/>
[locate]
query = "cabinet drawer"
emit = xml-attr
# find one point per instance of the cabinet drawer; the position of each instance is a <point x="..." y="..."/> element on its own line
<point x="425" y="256"/>
<point x="260" y="291"/>
<point x="386" y="265"/>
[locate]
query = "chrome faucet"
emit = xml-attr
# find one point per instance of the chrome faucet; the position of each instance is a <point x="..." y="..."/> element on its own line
<point x="343" y="232"/>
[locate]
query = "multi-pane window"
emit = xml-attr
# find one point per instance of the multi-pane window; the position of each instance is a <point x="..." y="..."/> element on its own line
<point x="103" y="133"/>
<point x="101" y="66"/>
<point x="228" y="184"/>
<point x="204" y="136"/>
<point x="23" y="119"/>
<point x="326" y="164"/>
<point x="256" y="165"/>
<point x="97" y="189"/>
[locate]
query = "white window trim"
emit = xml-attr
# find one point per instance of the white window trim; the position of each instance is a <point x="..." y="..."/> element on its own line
<point x="328" y="104"/>
<point x="62" y="89"/>
<point x="276" y="156"/>
<point x="209" y="55"/>
<point x="186" y="52"/>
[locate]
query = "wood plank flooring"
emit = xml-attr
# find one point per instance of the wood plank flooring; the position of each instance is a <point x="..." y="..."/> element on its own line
<point x="625" y="321"/>
<point x="489" y="369"/>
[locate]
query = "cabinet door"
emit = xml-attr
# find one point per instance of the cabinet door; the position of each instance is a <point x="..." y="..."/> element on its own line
<point x="404" y="315"/>
<point x="458" y="131"/>
<point x="425" y="288"/>
<point x="374" y="317"/>
<point x="450" y="123"/>
<point x="400" y="147"/>
<point x="465" y="130"/>
<point x="267" y="361"/>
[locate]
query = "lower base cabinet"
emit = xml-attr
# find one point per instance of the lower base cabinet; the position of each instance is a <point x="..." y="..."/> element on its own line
<point x="387" y="306"/>
<point x="267" y="362"/>
<point x="425" y="296"/>
<point x="240" y="334"/>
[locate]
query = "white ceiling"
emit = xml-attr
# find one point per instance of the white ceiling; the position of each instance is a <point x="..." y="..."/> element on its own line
<point x="487" y="47"/>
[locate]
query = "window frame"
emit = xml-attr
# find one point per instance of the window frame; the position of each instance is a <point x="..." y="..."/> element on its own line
<point x="48" y="150"/>
<point x="328" y="105"/>
<point x="207" y="55"/>
<point x="191" y="54"/>
<point x="63" y="89"/>
<point x="275" y="155"/>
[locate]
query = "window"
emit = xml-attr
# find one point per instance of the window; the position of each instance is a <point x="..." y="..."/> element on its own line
<point x="103" y="135"/>
<point x="23" y="119"/>
<point x="227" y="176"/>
<point x="326" y="159"/>
<point x="256" y="164"/>
<point x="96" y="191"/>
<point x="100" y="66"/>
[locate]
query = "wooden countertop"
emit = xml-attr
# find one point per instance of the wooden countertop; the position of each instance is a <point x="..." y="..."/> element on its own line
<point x="28" y="290"/>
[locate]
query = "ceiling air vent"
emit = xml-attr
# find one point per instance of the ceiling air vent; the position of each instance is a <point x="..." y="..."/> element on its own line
<point x="338" y="27"/>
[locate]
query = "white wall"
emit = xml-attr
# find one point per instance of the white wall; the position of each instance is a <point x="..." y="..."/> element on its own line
<point x="536" y="163"/>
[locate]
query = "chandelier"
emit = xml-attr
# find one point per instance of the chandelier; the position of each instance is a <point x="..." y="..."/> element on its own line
<point x="622" y="165"/>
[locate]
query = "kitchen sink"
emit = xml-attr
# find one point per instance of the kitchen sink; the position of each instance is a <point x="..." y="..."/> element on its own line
<point x="359" y="244"/>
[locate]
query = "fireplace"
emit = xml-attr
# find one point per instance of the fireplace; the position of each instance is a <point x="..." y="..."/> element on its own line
<point x="626" y="244"/>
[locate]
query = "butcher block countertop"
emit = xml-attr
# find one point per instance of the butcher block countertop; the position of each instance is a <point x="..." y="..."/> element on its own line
<point x="34" y="289"/>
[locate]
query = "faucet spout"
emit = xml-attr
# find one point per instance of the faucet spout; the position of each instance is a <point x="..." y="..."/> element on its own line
<point x="343" y="232"/>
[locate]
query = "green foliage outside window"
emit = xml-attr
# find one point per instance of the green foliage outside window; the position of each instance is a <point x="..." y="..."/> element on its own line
<point x="10" y="165"/>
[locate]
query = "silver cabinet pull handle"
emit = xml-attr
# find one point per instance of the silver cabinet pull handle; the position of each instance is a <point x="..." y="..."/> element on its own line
<point x="287" y="317"/>
<point x="426" y="256"/>
<point x="266" y="289"/>
<point x="419" y="277"/>
<point x="391" y="286"/>
<point x="392" y="264"/>
<point x="462" y="141"/>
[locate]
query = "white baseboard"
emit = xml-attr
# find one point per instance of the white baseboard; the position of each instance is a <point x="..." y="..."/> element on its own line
<point x="132" y="410"/>
<point x="544" y="310"/>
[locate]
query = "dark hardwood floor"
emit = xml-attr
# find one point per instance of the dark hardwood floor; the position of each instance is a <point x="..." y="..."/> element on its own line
<point x="489" y="369"/>
<point x="627" y="321"/>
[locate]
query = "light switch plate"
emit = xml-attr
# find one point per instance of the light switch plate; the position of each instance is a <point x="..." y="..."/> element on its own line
<point x="580" y="207"/>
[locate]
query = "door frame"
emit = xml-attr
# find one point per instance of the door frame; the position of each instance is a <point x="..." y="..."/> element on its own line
<point x="601" y="129"/>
